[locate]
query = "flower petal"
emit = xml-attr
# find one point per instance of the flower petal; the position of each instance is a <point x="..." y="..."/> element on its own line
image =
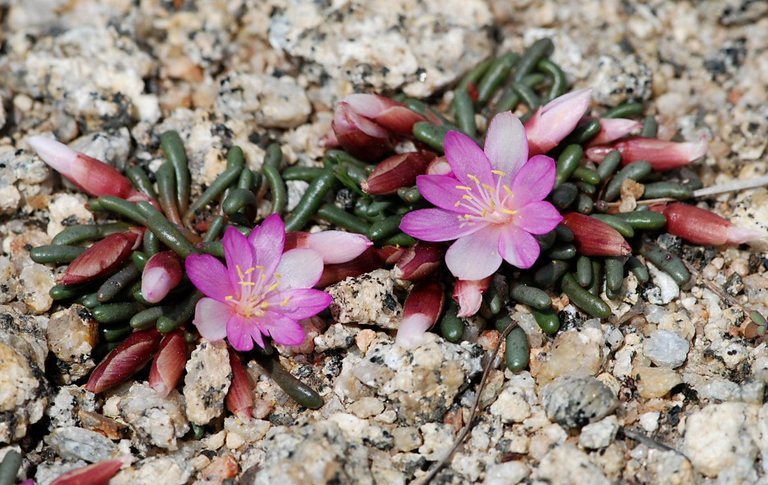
<point x="442" y="191"/>
<point x="298" y="303"/>
<point x="467" y="160"/>
<point x="283" y="330"/>
<point x="240" y="333"/>
<point x="475" y="256"/>
<point x="534" y="181"/>
<point x="208" y="275"/>
<point x="238" y="254"/>
<point x="436" y="225"/>
<point x="338" y="246"/>
<point x="211" y="318"/>
<point x="537" y="217"/>
<point x="505" y="143"/>
<point x="300" y="268"/>
<point x="518" y="247"/>
<point x="268" y="240"/>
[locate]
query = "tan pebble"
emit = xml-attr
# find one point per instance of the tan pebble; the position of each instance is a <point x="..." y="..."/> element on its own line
<point x="655" y="381"/>
<point x="364" y="338"/>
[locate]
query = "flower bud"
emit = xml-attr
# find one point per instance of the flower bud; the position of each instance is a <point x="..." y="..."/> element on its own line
<point x="388" y="113"/>
<point x="595" y="238"/>
<point x="161" y="274"/>
<point x="124" y="361"/>
<point x="612" y="129"/>
<point x="168" y="364"/>
<point x="662" y="155"/>
<point x="97" y="474"/>
<point x="469" y="295"/>
<point x="439" y="166"/>
<point x="421" y="311"/>
<point x="334" y="246"/>
<point x="556" y="120"/>
<point x="366" y="262"/>
<point x="359" y="136"/>
<point x="419" y="261"/>
<point x="396" y="172"/>
<point x="101" y="259"/>
<point x="92" y="176"/>
<point x="700" y="226"/>
<point x="239" y="398"/>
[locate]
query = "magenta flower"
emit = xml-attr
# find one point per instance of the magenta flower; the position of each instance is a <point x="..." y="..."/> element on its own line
<point x="261" y="290"/>
<point x="491" y="203"/>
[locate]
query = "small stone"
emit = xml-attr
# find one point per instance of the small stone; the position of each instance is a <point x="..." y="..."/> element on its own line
<point x="666" y="349"/>
<point x="719" y="436"/>
<point x="620" y="80"/>
<point x="207" y="381"/>
<point x="267" y="100"/>
<point x="72" y="334"/>
<point x="112" y="147"/>
<point x="407" y="438"/>
<point x="75" y="443"/>
<point x="576" y="352"/>
<point x="36" y="281"/>
<point x="364" y="338"/>
<point x="158" y="421"/>
<point x="438" y="439"/>
<point x="576" y="401"/>
<point x="510" y="473"/>
<point x="511" y="406"/>
<point x="9" y="284"/>
<point x="177" y="467"/>
<point x="599" y="435"/>
<point x="366" y="407"/>
<point x="248" y="431"/>
<point x="66" y="405"/>
<point x="665" y="290"/>
<point x="566" y="464"/>
<point x="655" y="381"/>
<point x="367" y="300"/>
<point x="337" y="336"/>
<point x="650" y="421"/>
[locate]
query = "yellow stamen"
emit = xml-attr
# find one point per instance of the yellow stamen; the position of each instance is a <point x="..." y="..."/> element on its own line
<point x="247" y="283"/>
<point x="509" y="211"/>
<point x="464" y="187"/>
<point x="250" y="270"/>
<point x="285" y="302"/>
<point x="274" y="285"/>
<point x="489" y="188"/>
<point x="229" y="298"/>
<point x="458" y="203"/>
<point x="498" y="172"/>
<point x="466" y="197"/>
<point x="473" y="178"/>
<point x="508" y="190"/>
<point x="239" y="272"/>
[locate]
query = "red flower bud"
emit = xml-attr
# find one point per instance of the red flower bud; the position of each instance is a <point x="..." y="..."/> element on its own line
<point x="239" y="398"/>
<point x="92" y="176"/>
<point x="390" y="254"/>
<point x="612" y="129"/>
<point x="396" y="172"/>
<point x="469" y="295"/>
<point x="595" y="238"/>
<point x="358" y="135"/>
<point x="168" y="364"/>
<point x="419" y="261"/>
<point x="124" y="361"/>
<point x="386" y="112"/>
<point x="700" y="226"/>
<point x="161" y="274"/>
<point x="102" y="258"/>
<point x="97" y="474"/>
<point x="662" y="155"/>
<point x="421" y="311"/>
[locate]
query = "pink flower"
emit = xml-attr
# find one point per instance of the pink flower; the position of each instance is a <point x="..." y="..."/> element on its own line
<point x="556" y="120"/>
<point x="612" y="129"/>
<point x="491" y="203"/>
<point x="161" y="274"/>
<point x="260" y="291"/>
<point x="662" y="154"/>
<point x="469" y="295"/>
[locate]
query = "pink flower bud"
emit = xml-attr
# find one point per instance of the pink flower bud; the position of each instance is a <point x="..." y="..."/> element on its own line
<point x="469" y="295"/>
<point x="556" y="120"/>
<point x="396" y="172"/>
<point x="663" y="155"/>
<point x="92" y="176"/>
<point x="101" y="259"/>
<point x="161" y="274"/>
<point x="358" y="135"/>
<point x="439" y="166"/>
<point x="612" y="129"/>
<point x="239" y="398"/>
<point x="419" y="261"/>
<point x="595" y="238"/>
<point x="97" y="474"/>
<point x="386" y="112"/>
<point x="421" y="311"/>
<point x="700" y="226"/>
<point x="168" y="364"/>
<point x="124" y="361"/>
<point x="334" y="246"/>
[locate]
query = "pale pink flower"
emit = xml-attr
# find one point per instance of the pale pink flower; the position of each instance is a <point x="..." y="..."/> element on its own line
<point x="612" y="129"/>
<point x="161" y="274"/>
<point x="421" y="311"/>
<point x="261" y="290"/>
<point x="334" y="246"/>
<point x="491" y="203"/>
<point x="469" y="295"/>
<point x="556" y="120"/>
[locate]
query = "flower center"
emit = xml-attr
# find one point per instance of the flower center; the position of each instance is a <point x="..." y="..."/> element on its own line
<point x="484" y="202"/>
<point x="254" y="289"/>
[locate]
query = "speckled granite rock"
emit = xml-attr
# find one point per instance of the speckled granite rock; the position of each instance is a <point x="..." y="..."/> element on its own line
<point x="207" y="381"/>
<point x="72" y="334"/>
<point x="369" y="299"/>
<point x="372" y="46"/>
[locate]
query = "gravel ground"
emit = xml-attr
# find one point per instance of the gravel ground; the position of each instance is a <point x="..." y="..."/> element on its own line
<point x="666" y="391"/>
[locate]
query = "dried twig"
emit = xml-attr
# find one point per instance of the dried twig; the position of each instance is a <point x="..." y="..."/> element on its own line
<point x="647" y="440"/>
<point x="473" y="413"/>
